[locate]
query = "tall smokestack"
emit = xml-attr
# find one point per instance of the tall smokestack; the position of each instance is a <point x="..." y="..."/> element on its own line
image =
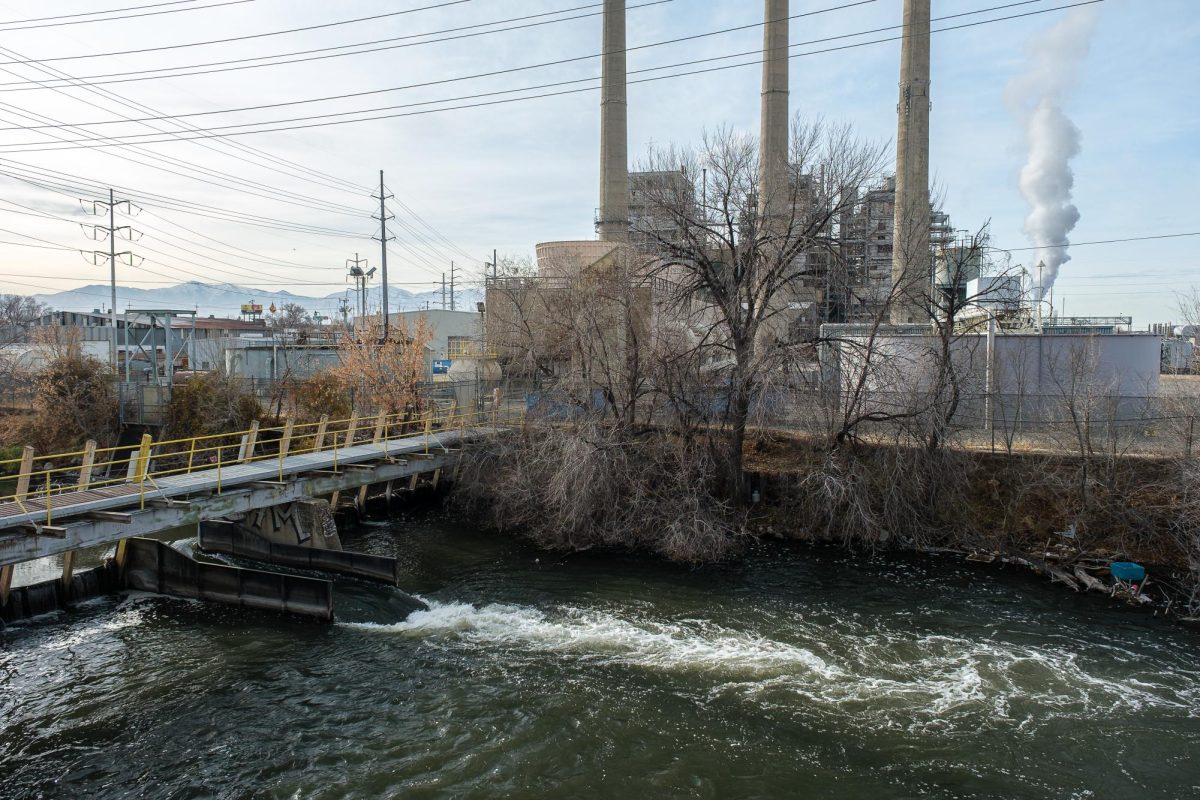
<point x="911" y="262"/>
<point x="613" y="223"/>
<point x="773" y="138"/>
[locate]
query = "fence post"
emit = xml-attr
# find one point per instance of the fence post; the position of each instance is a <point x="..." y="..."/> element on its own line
<point x="143" y="465"/>
<point x="251" y="438"/>
<point x="379" y="423"/>
<point x="428" y="425"/>
<point x="285" y="444"/>
<point x="351" y="430"/>
<point x="319" y="443"/>
<point x="23" y="476"/>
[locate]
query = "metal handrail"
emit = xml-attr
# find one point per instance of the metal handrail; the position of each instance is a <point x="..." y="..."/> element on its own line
<point x="139" y="459"/>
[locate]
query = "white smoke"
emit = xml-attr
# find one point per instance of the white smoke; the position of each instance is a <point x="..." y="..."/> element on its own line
<point x="1046" y="180"/>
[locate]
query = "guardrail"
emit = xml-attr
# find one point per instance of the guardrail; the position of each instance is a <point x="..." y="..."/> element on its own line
<point x="144" y="463"/>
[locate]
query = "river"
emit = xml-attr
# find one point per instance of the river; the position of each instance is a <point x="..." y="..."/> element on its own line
<point x="793" y="673"/>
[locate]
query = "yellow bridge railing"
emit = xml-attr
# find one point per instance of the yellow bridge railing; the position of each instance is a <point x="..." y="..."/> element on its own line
<point x="144" y="463"/>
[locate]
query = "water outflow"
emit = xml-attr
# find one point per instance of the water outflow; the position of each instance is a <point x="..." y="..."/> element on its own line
<point x="870" y="675"/>
<point x="1037" y="97"/>
<point x="792" y="672"/>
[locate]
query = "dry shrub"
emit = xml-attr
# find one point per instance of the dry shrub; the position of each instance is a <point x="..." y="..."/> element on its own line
<point x="321" y="393"/>
<point x="384" y="375"/>
<point x="210" y="403"/>
<point x="871" y="496"/>
<point x="589" y="485"/>
<point x="74" y="400"/>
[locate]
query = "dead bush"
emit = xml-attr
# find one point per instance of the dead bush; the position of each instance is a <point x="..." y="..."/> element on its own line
<point x="589" y="485"/>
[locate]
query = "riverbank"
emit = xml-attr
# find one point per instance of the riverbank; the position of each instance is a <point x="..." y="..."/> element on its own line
<point x="1062" y="517"/>
<point x="1067" y="517"/>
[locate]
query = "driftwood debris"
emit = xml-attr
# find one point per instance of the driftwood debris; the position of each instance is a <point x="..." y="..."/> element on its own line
<point x="1090" y="582"/>
<point x="1060" y="576"/>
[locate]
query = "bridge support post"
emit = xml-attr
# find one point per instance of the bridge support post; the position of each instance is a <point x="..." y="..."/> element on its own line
<point x="351" y="429"/>
<point x="6" y="572"/>
<point x="303" y="523"/>
<point x="85" y="480"/>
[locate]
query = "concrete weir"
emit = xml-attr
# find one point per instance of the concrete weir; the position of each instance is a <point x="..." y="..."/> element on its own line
<point x="49" y="596"/>
<point x="154" y="566"/>
<point x="229" y="539"/>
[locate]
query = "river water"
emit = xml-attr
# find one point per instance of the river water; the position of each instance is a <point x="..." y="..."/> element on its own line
<point x="794" y="673"/>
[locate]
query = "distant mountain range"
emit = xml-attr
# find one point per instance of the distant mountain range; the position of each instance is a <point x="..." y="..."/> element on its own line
<point x="225" y="299"/>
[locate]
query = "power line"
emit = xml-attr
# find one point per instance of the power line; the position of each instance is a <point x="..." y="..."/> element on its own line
<point x="228" y="130"/>
<point x="258" y="189"/>
<point x="1098" y="241"/>
<point x="96" y="13"/>
<point x="327" y="182"/>
<point x="189" y="70"/>
<point x="112" y="19"/>
<point x="70" y="184"/>
<point x="247" y="37"/>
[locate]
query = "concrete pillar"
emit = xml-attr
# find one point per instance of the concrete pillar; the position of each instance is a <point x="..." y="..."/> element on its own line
<point x="911" y="262"/>
<point x="773" y="136"/>
<point x="613" y="222"/>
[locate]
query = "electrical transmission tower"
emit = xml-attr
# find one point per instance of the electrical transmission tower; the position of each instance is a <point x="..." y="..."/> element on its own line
<point x="344" y="310"/>
<point x="111" y="231"/>
<point x="453" y="270"/>
<point x="383" y="240"/>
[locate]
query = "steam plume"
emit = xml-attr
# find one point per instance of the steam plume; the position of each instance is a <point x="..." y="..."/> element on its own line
<point x="1037" y="97"/>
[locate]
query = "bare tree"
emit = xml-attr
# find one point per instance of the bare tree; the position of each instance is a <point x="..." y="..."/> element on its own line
<point x="747" y="262"/>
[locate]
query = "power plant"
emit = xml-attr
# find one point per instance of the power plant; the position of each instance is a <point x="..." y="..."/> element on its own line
<point x="897" y="265"/>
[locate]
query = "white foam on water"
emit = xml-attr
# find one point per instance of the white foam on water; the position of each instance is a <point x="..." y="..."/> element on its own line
<point x="691" y="645"/>
<point x="879" y="676"/>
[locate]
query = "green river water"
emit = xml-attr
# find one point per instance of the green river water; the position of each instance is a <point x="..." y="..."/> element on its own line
<point x="792" y="673"/>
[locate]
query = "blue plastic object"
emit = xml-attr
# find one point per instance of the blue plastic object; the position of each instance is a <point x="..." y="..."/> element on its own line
<point x="1127" y="571"/>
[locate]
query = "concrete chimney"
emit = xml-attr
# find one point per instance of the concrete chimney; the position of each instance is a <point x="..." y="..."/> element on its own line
<point x="613" y="222"/>
<point x="773" y="138"/>
<point x="911" y="262"/>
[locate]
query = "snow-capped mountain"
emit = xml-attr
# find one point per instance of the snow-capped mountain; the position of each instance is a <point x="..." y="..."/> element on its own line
<point x="225" y="299"/>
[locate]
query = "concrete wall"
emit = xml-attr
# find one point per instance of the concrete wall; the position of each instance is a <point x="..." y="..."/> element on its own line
<point x="1038" y="370"/>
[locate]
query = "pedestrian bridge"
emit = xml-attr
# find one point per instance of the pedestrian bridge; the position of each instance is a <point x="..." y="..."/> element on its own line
<point x="100" y="496"/>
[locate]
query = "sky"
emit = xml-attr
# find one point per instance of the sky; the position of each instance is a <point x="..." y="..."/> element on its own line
<point x="508" y="175"/>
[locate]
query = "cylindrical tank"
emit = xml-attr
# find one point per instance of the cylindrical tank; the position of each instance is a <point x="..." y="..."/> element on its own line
<point x="473" y="378"/>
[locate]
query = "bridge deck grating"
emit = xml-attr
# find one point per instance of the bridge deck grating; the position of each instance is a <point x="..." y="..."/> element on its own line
<point x="123" y="495"/>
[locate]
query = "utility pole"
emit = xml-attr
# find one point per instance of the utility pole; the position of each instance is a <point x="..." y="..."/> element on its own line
<point x="495" y="264"/>
<point x="453" y="269"/>
<point x="383" y="240"/>
<point x="360" y="276"/>
<point x="99" y="207"/>
<point x="344" y="309"/>
<point x="443" y="291"/>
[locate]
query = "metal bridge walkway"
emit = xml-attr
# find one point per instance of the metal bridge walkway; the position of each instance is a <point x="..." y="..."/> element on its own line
<point x="134" y="495"/>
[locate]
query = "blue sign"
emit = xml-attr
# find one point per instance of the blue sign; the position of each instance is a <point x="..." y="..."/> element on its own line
<point x="441" y="366"/>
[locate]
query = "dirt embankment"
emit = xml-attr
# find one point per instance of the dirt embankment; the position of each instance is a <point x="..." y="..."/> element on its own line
<point x="1059" y="514"/>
